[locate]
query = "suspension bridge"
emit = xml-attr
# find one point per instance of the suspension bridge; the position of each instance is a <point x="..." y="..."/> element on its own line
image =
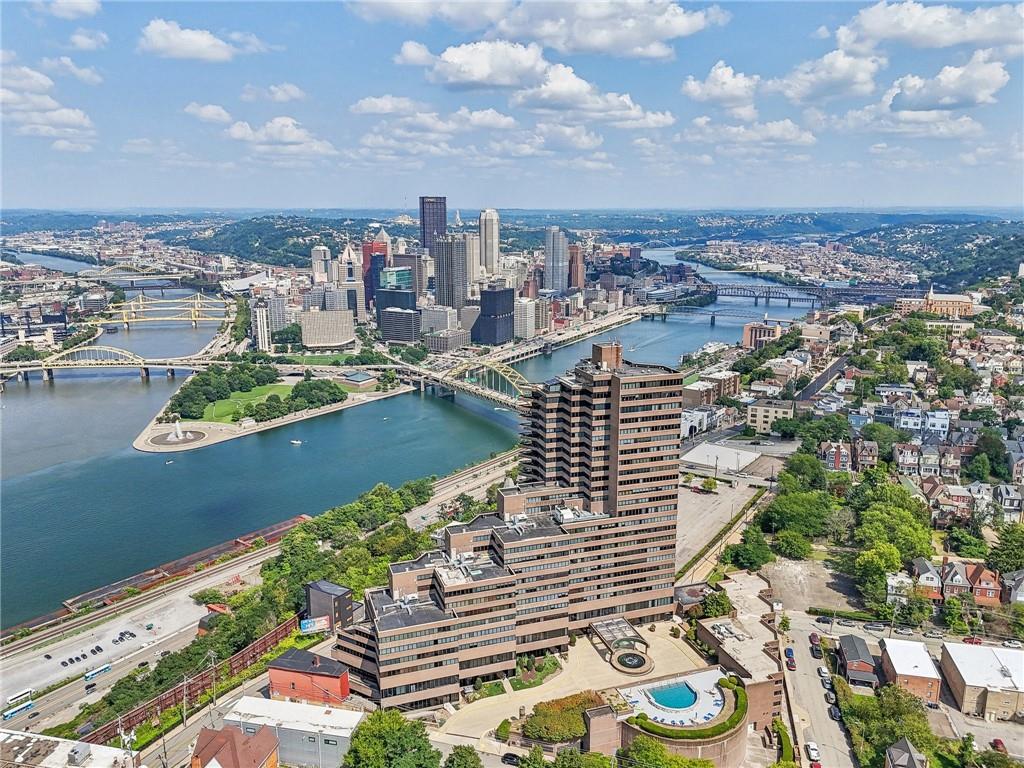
<point x="807" y="294"/>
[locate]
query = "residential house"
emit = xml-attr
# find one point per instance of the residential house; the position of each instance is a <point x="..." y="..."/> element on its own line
<point x="950" y="461"/>
<point x="954" y="579"/>
<point x="984" y="584"/>
<point x="909" y="420"/>
<point x="982" y="493"/>
<point x="858" y="420"/>
<point x="1008" y="502"/>
<point x="1013" y="587"/>
<point x="856" y="663"/>
<point x="865" y="454"/>
<point x="937" y="421"/>
<point x="903" y="754"/>
<point x="835" y="456"/>
<point x="929" y="580"/>
<point x="931" y="461"/>
<point x="898" y="587"/>
<point x="883" y="414"/>
<point x="908" y="459"/>
<point x="829" y="402"/>
<point x="231" y="748"/>
<point x="907" y="664"/>
<point x="885" y="390"/>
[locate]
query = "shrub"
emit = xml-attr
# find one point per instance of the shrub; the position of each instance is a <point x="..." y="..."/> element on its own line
<point x="854" y="615"/>
<point x="560" y="719"/>
<point x="503" y="731"/>
<point x="785" y="743"/>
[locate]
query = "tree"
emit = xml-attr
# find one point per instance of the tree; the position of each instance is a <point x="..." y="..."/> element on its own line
<point x="568" y="758"/>
<point x="803" y="511"/>
<point x="645" y="752"/>
<point x="385" y="739"/>
<point x="709" y="484"/>
<point x="596" y="760"/>
<point x="885" y="436"/>
<point x="792" y="545"/>
<point x="990" y="443"/>
<point x="784" y="623"/>
<point x="916" y="610"/>
<point x="463" y="756"/>
<point x="1008" y="554"/>
<point x="534" y="759"/>
<point x="871" y="568"/>
<point x="897" y="526"/>
<point x="716" y="603"/>
<point x="979" y="468"/>
<point x="806" y="468"/>
<point x="966" y="545"/>
<point x="953" y="616"/>
<point x="751" y="554"/>
<point x="839" y="525"/>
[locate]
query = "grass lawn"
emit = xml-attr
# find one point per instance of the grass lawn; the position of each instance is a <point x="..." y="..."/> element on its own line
<point x="547" y="667"/>
<point x="492" y="688"/>
<point x="221" y="410"/>
<point x="690" y="379"/>
<point x="318" y="359"/>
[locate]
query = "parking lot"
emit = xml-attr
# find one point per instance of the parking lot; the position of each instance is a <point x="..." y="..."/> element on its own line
<point x="702" y="515"/>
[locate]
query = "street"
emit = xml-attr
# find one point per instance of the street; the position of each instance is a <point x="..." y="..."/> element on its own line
<point x="810" y="710"/>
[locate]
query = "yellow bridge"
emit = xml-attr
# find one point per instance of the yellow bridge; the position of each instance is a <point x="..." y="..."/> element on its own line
<point x="144" y="309"/>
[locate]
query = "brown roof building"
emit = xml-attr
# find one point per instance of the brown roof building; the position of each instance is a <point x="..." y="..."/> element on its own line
<point x="230" y="748"/>
<point x="589" y="532"/>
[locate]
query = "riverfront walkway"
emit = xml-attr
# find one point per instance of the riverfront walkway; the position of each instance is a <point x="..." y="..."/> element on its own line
<point x="155" y="437"/>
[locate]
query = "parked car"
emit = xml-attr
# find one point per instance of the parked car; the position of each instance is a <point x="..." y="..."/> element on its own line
<point x="164" y="653"/>
<point x="874" y="626"/>
<point x="824" y="620"/>
<point x="932" y="705"/>
<point x="824" y="673"/>
<point x="834" y="713"/>
<point x="1012" y="644"/>
<point x="933" y="633"/>
<point x="826" y="683"/>
<point x="510" y="758"/>
<point x="63" y="663"/>
<point x="846" y="623"/>
<point x="903" y="631"/>
<point x="90" y="687"/>
<point x="815" y="638"/>
<point x="143" y="664"/>
<point x="47" y="656"/>
<point x="998" y="746"/>
<point x="816" y="651"/>
<point x="812" y="750"/>
<point x="791" y="665"/>
<point x="790" y="654"/>
<point x="973" y="640"/>
<point x="830" y="697"/>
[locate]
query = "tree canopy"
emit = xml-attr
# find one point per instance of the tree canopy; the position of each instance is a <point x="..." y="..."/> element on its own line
<point x="386" y="739"/>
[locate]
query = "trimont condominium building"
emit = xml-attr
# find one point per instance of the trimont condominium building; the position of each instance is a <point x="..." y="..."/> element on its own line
<point x="588" y="532"/>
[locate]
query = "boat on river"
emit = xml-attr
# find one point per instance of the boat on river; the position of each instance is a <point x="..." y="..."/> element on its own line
<point x="296" y="442"/>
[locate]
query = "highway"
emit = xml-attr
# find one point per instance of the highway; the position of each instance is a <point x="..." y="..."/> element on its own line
<point x="172" y="613"/>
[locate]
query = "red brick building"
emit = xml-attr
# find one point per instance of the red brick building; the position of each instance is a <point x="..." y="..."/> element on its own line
<point x="302" y="676"/>
<point x="230" y="748"/>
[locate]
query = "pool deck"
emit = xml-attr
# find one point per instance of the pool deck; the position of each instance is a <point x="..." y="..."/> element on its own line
<point x="709" y="704"/>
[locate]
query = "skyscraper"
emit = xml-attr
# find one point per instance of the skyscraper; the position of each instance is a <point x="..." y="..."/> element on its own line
<point x="472" y="256"/>
<point x="496" y="321"/>
<point x="490" y="226"/>
<point x="587" y="532"/>
<point x="577" y="269"/>
<point x="320" y="259"/>
<point x="260" y="321"/>
<point x="351" y="285"/>
<point x="450" y="271"/>
<point x="556" y="260"/>
<point x="433" y="220"/>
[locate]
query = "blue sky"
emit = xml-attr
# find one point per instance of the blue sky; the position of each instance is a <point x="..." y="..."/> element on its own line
<point x="511" y="104"/>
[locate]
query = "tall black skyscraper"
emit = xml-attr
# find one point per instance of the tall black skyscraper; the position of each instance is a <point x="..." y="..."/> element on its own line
<point x="450" y="282"/>
<point x="495" y="324"/>
<point x="433" y="220"/>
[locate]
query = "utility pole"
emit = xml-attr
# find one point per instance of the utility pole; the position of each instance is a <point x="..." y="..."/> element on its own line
<point x="184" y="701"/>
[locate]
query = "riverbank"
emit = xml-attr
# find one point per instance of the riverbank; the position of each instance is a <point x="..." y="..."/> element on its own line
<point x="728" y="266"/>
<point x="569" y="336"/>
<point x="159" y="437"/>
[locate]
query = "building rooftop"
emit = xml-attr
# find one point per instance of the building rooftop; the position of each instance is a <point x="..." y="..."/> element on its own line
<point x="985" y="666"/>
<point x="329" y="587"/>
<point x="409" y="611"/>
<point x="33" y="749"/>
<point x="298" y="660"/>
<point x="469" y="567"/>
<point x="767" y="403"/>
<point x="231" y="748"/>
<point x="300" y="717"/>
<point x="903" y="754"/>
<point x="744" y="637"/>
<point x="909" y="657"/>
<point x="853" y="648"/>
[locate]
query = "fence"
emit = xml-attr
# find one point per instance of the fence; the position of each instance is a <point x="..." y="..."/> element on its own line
<point x="195" y="686"/>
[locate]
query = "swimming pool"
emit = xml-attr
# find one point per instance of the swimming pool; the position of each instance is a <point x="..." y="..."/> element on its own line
<point x="675" y="696"/>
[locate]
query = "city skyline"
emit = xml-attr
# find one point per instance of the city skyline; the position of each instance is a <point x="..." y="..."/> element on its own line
<point x="514" y="105"/>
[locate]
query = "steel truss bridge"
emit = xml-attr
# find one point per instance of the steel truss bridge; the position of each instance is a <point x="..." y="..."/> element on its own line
<point x="194" y="309"/>
<point x="661" y="310"/>
<point x="811" y="294"/>
<point x="131" y="272"/>
<point x="98" y="357"/>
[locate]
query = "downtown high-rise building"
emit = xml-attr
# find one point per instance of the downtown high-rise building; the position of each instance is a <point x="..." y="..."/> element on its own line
<point x="490" y="233"/>
<point x="320" y="261"/>
<point x="577" y="267"/>
<point x="259" y="322"/>
<point x="472" y="240"/>
<point x="433" y="220"/>
<point x="587" y="535"/>
<point x="556" y="260"/>
<point x="450" y="280"/>
<point x="495" y="324"/>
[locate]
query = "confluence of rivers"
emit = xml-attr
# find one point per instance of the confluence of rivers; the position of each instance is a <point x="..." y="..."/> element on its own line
<point x="81" y="508"/>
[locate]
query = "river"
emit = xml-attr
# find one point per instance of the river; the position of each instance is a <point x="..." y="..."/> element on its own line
<point x="81" y="508"/>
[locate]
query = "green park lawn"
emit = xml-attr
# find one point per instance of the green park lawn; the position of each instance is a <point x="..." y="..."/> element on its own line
<point x="221" y="410"/>
<point x="318" y="359"/>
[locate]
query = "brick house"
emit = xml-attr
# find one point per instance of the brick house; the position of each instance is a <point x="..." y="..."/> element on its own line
<point x="856" y="663"/>
<point x="298" y="675"/>
<point x="835" y="456"/>
<point x="231" y="748"/>
<point x="907" y="664"/>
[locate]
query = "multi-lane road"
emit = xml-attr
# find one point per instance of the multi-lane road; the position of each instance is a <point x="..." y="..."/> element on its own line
<point x="171" y="615"/>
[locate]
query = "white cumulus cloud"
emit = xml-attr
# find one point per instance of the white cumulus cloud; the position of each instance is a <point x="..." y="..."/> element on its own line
<point x="569" y="136"/>
<point x="776" y="132"/>
<point x="280" y="136"/>
<point x="835" y="74"/>
<point x="169" y="40"/>
<point x="385" y="105"/>
<point x="481" y="64"/>
<point x="953" y="87"/>
<point x="66" y="145"/>
<point x="208" y="113"/>
<point x="727" y="88"/>
<point x="88" y="39"/>
<point x="65" y="66"/>
<point x="68" y="9"/>
<point x="281" y="93"/>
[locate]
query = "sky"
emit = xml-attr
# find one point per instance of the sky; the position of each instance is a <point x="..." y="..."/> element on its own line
<point x="511" y="103"/>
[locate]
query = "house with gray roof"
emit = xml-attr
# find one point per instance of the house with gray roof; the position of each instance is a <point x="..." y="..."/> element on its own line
<point x="903" y="754"/>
